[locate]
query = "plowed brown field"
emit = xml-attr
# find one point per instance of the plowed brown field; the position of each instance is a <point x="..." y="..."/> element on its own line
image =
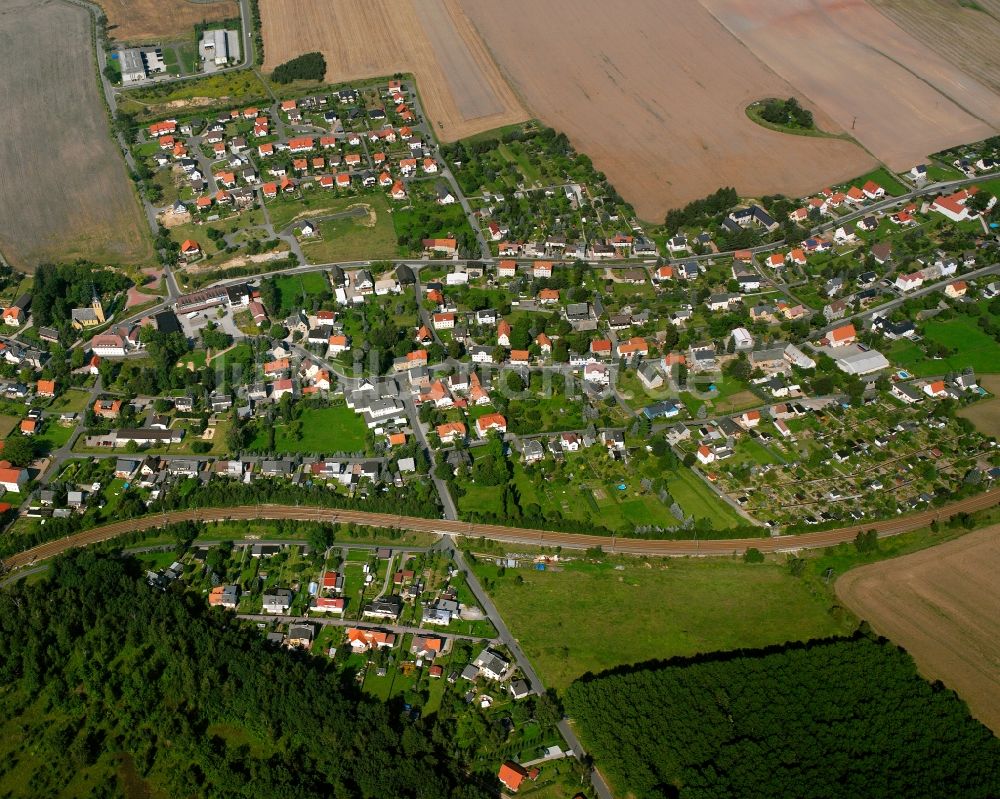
<point x="65" y="193"/>
<point x="942" y="606"/>
<point x="149" y="20"/>
<point x="903" y="100"/>
<point x="655" y="93"/>
<point x="967" y="37"/>
<point x="461" y="88"/>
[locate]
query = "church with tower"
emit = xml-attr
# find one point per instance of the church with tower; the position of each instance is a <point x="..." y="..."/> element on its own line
<point x="82" y="318"/>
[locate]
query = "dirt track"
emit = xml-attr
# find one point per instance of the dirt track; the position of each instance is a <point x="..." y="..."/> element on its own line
<point x="461" y="89"/>
<point x="512" y="535"/>
<point x="942" y="606"/>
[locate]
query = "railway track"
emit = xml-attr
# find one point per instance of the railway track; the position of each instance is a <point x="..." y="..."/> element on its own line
<point x="508" y="535"/>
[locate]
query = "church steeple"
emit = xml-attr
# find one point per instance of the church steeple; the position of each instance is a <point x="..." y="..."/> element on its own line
<point x="95" y="303"/>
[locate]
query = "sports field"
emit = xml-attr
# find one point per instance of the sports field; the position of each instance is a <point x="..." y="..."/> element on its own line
<point x="942" y="606"/>
<point x="66" y="193"/>
<point x="592" y="617"/>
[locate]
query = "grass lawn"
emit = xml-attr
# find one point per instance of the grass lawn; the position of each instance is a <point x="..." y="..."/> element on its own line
<point x="53" y="435"/>
<point x="698" y="500"/>
<point x="974" y="347"/>
<point x="294" y="290"/>
<point x="592" y="617"/>
<point x="322" y="430"/>
<point x="480" y="499"/>
<point x="7" y="425"/>
<point x="730" y="395"/>
<point x="884" y="178"/>
<point x="940" y="172"/>
<point x="544" y="415"/>
<point x="354" y="238"/>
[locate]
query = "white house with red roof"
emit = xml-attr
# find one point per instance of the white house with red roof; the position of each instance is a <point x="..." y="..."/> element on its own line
<point x="842" y="336"/>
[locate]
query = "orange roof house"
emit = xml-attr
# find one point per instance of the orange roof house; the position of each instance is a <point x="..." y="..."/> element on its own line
<point x="190" y="247"/>
<point x="107" y="409"/>
<point x="842" y="336"/>
<point x="490" y="421"/>
<point x="449" y="431"/>
<point x="634" y="346"/>
<point x="46" y="388"/>
<point x="368" y="639"/>
<point x="512" y="775"/>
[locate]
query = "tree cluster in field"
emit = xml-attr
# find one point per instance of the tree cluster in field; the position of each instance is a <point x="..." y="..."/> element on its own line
<point x="126" y="677"/>
<point x="310" y="66"/>
<point x="834" y="718"/>
<point x="786" y="112"/>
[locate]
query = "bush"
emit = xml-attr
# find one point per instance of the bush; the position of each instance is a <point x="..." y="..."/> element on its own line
<point x="753" y="555"/>
<point x="311" y="66"/>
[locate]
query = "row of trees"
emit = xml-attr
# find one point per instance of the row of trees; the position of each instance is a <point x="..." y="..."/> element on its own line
<point x="834" y="718"/>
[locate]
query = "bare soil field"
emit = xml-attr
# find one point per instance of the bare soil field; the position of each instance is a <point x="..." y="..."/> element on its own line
<point x="655" y="93"/>
<point x="901" y="100"/>
<point x="964" y="36"/>
<point x="462" y="90"/>
<point x="66" y="193"/>
<point x="985" y="414"/>
<point x="153" y="20"/>
<point x="942" y="606"/>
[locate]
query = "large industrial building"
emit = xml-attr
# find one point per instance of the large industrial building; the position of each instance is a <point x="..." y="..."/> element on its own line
<point x="219" y="46"/>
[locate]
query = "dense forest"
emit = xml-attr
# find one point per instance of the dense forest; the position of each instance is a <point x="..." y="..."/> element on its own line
<point x="836" y="718"/>
<point x="104" y="677"/>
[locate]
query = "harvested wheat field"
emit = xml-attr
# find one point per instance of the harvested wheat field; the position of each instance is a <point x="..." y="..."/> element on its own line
<point x="65" y="191"/>
<point x="965" y="36"/>
<point x="942" y="606"/>
<point x="656" y="94"/>
<point x="462" y="91"/>
<point x="904" y="100"/>
<point x="153" y="20"/>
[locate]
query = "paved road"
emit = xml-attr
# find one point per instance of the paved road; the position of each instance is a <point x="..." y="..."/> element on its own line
<point x="364" y="625"/>
<point x="510" y="535"/>
<point x="514" y="647"/>
<point x="928" y="289"/>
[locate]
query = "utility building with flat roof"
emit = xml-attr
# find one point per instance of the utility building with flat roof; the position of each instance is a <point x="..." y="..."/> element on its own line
<point x="132" y="66"/>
